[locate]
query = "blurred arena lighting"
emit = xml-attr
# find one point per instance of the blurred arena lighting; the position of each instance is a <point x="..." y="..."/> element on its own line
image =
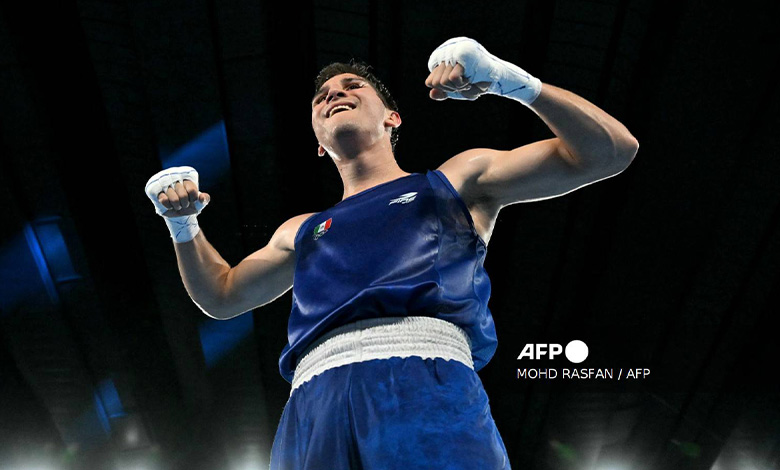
<point x="251" y="458"/>
<point x="131" y="432"/>
<point x="122" y="466"/>
<point x="132" y="467"/>
<point x="107" y="403"/>
<point x="24" y="277"/>
<point x="93" y="427"/>
<point x="564" y="452"/>
<point x="40" y="263"/>
<point x="252" y="466"/>
<point x="141" y="460"/>
<point x="219" y="337"/>
<point x="31" y="264"/>
<point x="34" y="466"/>
<point x="128" y="428"/>
<point x="207" y="153"/>
<point x="110" y="399"/>
<point x="737" y="462"/>
<point x="55" y="252"/>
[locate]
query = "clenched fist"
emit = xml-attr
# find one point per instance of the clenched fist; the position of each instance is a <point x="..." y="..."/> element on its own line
<point x="446" y="78"/>
<point x="175" y="195"/>
<point x="462" y="69"/>
<point x="182" y="199"/>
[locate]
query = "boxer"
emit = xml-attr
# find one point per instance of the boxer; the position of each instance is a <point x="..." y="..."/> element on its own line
<point x="389" y="320"/>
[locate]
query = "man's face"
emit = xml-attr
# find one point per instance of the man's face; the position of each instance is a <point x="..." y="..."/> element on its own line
<point x="348" y="104"/>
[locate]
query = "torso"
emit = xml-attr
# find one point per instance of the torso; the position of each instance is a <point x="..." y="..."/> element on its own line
<point x="483" y="214"/>
<point x="407" y="246"/>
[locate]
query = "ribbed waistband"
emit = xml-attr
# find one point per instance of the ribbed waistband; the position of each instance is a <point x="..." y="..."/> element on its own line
<point x="382" y="338"/>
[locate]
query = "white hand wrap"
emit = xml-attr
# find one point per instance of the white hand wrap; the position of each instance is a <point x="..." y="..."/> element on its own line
<point x="184" y="228"/>
<point x="479" y="65"/>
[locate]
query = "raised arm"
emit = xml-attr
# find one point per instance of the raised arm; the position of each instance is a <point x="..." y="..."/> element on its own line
<point x="590" y="145"/>
<point x="221" y="291"/>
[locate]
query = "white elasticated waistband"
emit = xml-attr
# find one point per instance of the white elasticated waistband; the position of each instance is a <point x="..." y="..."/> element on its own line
<point x="382" y="338"/>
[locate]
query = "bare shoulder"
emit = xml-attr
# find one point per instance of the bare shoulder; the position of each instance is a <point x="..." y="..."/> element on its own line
<point x="284" y="237"/>
<point x="464" y="171"/>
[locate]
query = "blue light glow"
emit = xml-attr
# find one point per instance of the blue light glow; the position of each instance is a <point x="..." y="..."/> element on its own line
<point x="101" y="414"/>
<point x="40" y="262"/>
<point x="207" y="153"/>
<point x="54" y="249"/>
<point x="31" y="265"/>
<point x="107" y="404"/>
<point x="109" y="398"/>
<point x="219" y="337"/>
<point x="24" y="275"/>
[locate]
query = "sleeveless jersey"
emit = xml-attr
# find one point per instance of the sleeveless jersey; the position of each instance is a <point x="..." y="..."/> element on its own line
<point x="404" y="247"/>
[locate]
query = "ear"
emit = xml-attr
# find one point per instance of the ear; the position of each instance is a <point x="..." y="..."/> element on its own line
<point x="393" y="120"/>
<point x="320" y="150"/>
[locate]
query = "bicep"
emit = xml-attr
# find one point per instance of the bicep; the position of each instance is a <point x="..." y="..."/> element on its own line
<point x="266" y="274"/>
<point x="259" y="279"/>
<point x="540" y="170"/>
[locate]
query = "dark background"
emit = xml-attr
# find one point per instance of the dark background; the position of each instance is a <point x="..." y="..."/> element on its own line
<point x="672" y="265"/>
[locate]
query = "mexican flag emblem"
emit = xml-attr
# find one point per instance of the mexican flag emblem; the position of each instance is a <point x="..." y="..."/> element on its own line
<point x="322" y="228"/>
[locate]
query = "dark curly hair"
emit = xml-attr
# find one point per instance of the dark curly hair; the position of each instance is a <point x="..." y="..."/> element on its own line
<point x="360" y="69"/>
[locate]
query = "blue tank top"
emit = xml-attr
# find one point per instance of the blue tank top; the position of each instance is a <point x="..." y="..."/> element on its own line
<point x="402" y="248"/>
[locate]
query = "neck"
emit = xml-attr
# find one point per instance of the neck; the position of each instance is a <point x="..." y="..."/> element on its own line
<point x="367" y="168"/>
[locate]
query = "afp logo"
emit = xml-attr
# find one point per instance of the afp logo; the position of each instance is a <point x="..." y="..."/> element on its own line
<point x="576" y="351"/>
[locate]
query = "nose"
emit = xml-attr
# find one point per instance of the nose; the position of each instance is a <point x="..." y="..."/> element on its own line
<point x="333" y="93"/>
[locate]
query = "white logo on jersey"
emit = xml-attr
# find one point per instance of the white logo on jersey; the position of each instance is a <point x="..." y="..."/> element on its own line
<point x="404" y="198"/>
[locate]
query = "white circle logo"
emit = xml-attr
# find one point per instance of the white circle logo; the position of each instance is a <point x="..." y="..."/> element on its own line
<point x="576" y="351"/>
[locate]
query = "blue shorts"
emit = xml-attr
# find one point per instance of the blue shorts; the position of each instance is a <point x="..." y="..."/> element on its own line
<point x="386" y="414"/>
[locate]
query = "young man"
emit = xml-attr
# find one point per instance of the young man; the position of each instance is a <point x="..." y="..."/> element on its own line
<point x="389" y="319"/>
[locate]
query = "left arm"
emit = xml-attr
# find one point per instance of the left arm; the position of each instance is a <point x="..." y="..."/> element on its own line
<point x="590" y="146"/>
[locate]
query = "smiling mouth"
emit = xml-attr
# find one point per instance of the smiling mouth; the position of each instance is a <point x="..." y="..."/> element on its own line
<point x="338" y="109"/>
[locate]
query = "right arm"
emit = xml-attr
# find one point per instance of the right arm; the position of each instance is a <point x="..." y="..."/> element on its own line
<point x="223" y="292"/>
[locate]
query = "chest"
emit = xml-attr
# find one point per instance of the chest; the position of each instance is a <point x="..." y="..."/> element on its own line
<point x="373" y="233"/>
